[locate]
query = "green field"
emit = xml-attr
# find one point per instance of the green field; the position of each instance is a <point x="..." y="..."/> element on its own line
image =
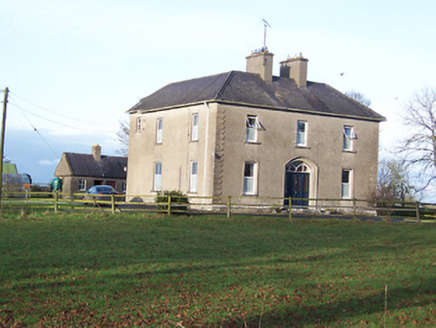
<point x="130" y="269"/>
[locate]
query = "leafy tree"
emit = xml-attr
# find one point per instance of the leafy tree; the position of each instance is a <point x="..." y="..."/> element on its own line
<point x="420" y="147"/>
<point x="123" y="137"/>
<point x="359" y="97"/>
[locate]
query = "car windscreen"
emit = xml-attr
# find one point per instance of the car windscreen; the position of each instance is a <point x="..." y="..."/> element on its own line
<point x="104" y="189"/>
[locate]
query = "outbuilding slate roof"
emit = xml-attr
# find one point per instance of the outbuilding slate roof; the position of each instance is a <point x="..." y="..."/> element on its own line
<point x="250" y="89"/>
<point x="109" y="167"/>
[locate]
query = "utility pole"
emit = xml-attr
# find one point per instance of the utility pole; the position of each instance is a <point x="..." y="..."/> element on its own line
<point x="2" y="147"/>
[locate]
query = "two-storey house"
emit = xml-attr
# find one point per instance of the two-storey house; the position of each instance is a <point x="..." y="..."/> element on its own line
<point x="254" y="135"/>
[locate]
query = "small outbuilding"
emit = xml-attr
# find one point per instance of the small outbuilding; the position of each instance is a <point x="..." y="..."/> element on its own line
<point x="80" y="172"/>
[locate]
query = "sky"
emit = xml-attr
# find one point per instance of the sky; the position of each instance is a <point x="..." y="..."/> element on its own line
<point x="74" y="68"/>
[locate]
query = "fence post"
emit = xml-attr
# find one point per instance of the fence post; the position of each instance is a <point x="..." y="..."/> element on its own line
<point x="418" y="214"/>
<point x="169" y="205"/>
<point x="354" y="208"/>
<point x="229" y="204"/>
<point x="55" y="201"/>
<point x="290" y="210"/>
<point x="113" y="204"/>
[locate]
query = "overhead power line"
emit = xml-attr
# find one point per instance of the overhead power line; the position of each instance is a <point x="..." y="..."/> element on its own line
<point x="45" y="118"/>
<point x="52" y="111"/>
<point x="39" y="133"/>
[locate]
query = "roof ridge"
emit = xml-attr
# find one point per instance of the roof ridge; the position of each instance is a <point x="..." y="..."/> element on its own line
<point x="225" y="84"/>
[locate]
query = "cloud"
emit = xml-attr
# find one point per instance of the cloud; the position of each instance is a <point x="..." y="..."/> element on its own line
<point x="47" y="162"/>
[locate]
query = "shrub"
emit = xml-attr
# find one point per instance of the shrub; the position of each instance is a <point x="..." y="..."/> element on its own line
<point x="179" y="201"/>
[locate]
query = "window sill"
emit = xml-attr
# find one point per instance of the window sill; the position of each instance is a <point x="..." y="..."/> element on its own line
<point x="252" y="142"/>
<point x="349" y="151"/>
<point x="302" y="147"/>
<point x="250" y="195"/>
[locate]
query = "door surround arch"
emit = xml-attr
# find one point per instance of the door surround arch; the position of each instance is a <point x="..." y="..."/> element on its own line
<point x="303" y="174"/>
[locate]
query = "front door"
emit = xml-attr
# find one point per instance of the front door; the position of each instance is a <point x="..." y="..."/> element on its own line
<point x="297" y="178"/>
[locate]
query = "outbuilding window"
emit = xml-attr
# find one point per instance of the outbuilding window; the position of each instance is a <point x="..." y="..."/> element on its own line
<point x="82" y="185"/>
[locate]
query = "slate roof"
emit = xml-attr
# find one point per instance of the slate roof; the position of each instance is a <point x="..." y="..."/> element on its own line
<point x="109" y="167"/>
<point x="251" y="90"/>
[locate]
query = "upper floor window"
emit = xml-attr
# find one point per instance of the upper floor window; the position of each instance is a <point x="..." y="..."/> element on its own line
<point x="159" y="127"/>
<point x="193" y="178"/>
<point x="194" y="130"/>
<point x="157" y="183"/>
<point x="138" y="124"/>
<point x="348" y="137"/>
<point x="251" y="131"/>
<point x="346" y="184"/>
<point x="301" y="133"/>
<point x="250" y="178"/>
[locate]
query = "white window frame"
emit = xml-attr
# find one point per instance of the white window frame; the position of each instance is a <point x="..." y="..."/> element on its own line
<point x="250" y="181"/>
<point x="252" y="124"/>
<point x="194" y="127"/>
<point x="193" y="177"/>
<point x="348" y="136"/>
<point x="159" y="128"/>
<point x="157" y="181"/>
<point x="347" y="187"/>
<point x="138" y="124"/>
<point x="123" y="186"/>
<point x="302" y="136"/>
<point x="82" y="185"/>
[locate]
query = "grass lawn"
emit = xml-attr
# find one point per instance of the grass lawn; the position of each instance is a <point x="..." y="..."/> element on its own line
<point x="97" y="269"/>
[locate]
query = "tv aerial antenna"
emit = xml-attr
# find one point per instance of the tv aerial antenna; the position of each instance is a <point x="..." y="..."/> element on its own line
<point x="266" y="25"/>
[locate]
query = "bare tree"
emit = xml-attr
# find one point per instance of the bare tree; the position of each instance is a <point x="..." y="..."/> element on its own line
<point x="393" y="188"/>
<point x="420" y="147"/>
<point x="394" y="176"/>
<point x="123" y="137"/>
<point x="359" y="97"/>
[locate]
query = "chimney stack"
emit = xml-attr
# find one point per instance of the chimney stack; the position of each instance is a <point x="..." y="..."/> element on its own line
<point x="96" y="152"/>
<point x="295" y="68"/>
<point x="261" y="62"/>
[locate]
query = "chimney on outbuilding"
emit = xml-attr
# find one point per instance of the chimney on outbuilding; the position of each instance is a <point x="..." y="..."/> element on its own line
<point x="96" y="152"/>
<point x="261" y="62"/>
<point x="295" y="68"/>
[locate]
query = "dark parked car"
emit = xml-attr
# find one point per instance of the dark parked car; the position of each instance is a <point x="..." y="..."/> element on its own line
<point x="102" y="192"/>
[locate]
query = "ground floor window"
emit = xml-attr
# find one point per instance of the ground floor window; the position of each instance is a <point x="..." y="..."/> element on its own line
<point x="157" y="176"/>
<point x="250" y="182"/>
<point x="346" y="184"/>
<point x="82" y="185"/>
<point x="193" y="179"/>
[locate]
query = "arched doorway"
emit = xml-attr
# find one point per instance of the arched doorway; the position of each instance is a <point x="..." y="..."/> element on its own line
<point x="297" y="183"/>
